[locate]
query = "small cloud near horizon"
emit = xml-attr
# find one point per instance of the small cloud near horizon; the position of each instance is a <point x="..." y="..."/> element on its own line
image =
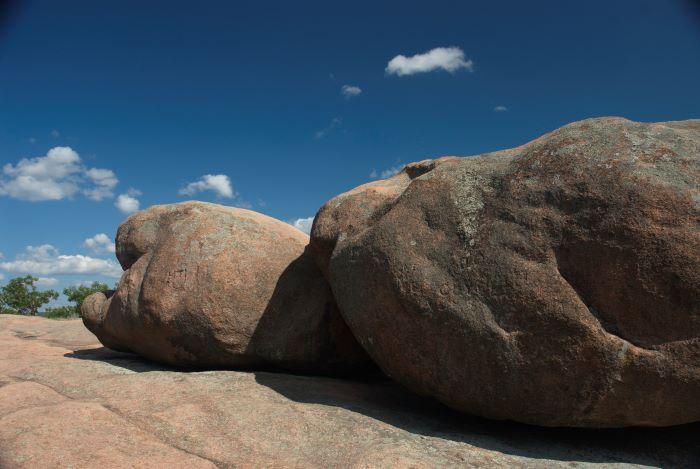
<point x="386" y="173"/>
<point x="46" y="281"/>
<point x="303" y="224"/>
<point x="46" y="260"/>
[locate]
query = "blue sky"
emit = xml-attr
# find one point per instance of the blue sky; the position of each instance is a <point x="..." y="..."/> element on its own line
<point x="158" y="95"/>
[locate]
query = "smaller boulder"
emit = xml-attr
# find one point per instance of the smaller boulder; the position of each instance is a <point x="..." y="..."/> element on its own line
<point x="218" y="287"/>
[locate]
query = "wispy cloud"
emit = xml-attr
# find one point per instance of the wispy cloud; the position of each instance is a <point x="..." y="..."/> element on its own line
<point x="83" y="283"/>
<point x="334" y="124"/>
<point x="46" y="281"/>
<point x="45" y="260"/>
<point x="303" y="224"/>
<point x="385" y="173"/>
<point x="350" y="91"/>
<point x="450" y="59"/>
<point x="58" y="175"/>
<point x="500" y="108"/>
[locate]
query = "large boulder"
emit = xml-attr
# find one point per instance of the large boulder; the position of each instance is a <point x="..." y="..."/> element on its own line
<point x="556" y="283"/>
<point x="213" y="286"/>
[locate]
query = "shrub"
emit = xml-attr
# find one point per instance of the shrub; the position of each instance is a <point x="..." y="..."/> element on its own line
<point x="60" y="312"/>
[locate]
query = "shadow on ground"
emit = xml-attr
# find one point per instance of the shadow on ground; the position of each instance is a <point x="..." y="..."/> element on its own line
<point x="382" y="400"/>
<point x="128" y="361"/>
<point x="395" y="406"/>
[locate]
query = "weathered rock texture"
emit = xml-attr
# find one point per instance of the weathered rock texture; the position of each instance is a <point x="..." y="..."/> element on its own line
<point x="354" y="210"/>
<point x="556" y="283"/>
<point x="212" y="286"/>
<point x="67" y="402"/>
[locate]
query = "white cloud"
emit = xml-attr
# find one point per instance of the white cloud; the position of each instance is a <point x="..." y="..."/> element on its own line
<point x="128" y="203"/>
<point x="350" y="91"/>
<point x="46" y="281"/>
<point x="46" y="260"/>
<point x="51" y="177"/>
<point x="100" y="243"/>
<point x="220" y="184"/>
<point x="58" y="175"/>
<point x="1" y="276"/>
<point x="450" y="59"/>
<point x="104" y="180"/>
<point x="500" y="109"/>
<point x="335" y="123"/>
<point x="303" y="224"/>
<point x="386" y="173"/>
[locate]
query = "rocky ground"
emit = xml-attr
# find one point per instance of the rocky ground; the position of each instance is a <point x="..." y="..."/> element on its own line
<point x="65" y="401"/>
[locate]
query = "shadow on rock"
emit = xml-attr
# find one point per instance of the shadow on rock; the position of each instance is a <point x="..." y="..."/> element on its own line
<point x="128" y="361"/>
<point x="301" y="329"/>
<point x="389" y="403"/>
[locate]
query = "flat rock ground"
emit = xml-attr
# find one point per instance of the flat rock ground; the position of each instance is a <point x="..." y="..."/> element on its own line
<point x="65" y="401"/>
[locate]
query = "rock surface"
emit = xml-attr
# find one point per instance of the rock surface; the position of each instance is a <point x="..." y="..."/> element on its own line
<point x="556" y="283"/>
<point x="65" y="401"/>
<point x="213" y="286"/>
<point x="354" y="210"/>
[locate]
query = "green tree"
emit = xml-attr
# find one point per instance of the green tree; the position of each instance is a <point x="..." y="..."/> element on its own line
<point x="20" y="296"/>
<point x="78" y="294"/>
<point x="60" y="312"/>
